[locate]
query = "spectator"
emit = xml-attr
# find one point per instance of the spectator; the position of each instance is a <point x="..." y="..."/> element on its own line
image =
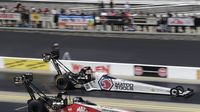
<point x="56" y="19"/>
<point x="163" y="24"/>
<point x="112" y="13"/>
<point x="169" y="14"/>
<point x="24" y="15"/>
<point x="111" y="4"/>
<point x="197" y="22"/>
<point x="33" y="9"/>
<point x="39" y="11"/>
<point x="46" y="11"/>
<point x="3" y="9"/>
<point x="101" y="6"/>
<point x="127" y="6"/>
<point x="62" y="11"/>
<point x="194" y="28"/>
<point x="78" y="12"/>
<point x="54" y="11"/>
<point x="82" y="13"/>
<point x="71" y="12"/>
<point x="18" y="7"/>
<point x="6" y="8"/>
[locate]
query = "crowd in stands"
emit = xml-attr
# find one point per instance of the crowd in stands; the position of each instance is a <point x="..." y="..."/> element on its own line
<point x="126" y="13"/>
<point x="20" y="8"/>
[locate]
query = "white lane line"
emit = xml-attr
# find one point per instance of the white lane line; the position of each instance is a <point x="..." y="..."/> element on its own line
<point x="20" y="108"/>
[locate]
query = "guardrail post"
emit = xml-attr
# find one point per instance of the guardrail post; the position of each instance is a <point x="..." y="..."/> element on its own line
<point x="104" y="27"/>
<point x="108" y="28"/>
<point x="180" y="30"/>
<point x="150" y="28"/>
<point x="145" y="29"/>
<point x="173" y="29"/>
<point x="138" y="28"/>
<point x="187" y="29"/>
<point x="198" y="29"/>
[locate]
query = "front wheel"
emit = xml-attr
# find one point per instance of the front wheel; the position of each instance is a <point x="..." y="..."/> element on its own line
<point x="181" y="89"/>
<point x="174" y="92"/>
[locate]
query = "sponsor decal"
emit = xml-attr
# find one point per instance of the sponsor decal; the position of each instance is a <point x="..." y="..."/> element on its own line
<point x="81" y="109"/>
<point x="75" y="22"/>
<point x="69" y="109"/>
<point x="105" y="83"/>
<point x="87" y="86"/>
<point x="10" y="16"/>
<point x="35" y="17"/>
<point x="138" y="70"/>
<point x="25" y="64"/>
<point x="76" y="67"/>
<point x="162" y="72"/>
<point x="124" y="86"/>
<point x="41" y="17"/>
<point x="150" y="71"/>
<point x="198" y="74"/>
<point x="180" y="21"/>
<point x="103" y="69"/>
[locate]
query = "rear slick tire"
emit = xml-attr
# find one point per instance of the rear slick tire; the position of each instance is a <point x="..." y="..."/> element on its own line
<point x="36" y="106"/>
<point x="62" y="83"/>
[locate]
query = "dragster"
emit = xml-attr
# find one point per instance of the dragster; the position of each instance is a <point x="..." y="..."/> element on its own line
<point x="104" y="82"/>
<point x="40" y="102"/>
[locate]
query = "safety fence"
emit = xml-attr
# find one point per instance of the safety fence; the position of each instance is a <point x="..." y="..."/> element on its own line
<point x="102" y="22"/>
<point x="119" y="70"/>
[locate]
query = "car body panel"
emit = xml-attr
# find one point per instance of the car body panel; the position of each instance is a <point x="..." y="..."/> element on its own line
<point x="107" y="83"/>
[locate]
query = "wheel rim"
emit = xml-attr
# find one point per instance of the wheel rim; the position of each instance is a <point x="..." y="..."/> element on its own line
<point x="174" y="92"/>
<point x="180" y="88"/>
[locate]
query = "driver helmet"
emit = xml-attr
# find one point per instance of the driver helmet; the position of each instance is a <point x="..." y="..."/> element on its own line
<point x="55" y="46"/>
<point x="78" y="99"/>
<point x="86" y="70"/>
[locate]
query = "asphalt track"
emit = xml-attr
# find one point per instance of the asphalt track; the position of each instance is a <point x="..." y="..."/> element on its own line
<point x="13" y="98"/>
<point x="130" y="101"/>
<point x="143" y="51"/>
<point x="10" y="107"/>
<point x="48" y="87"/>
<point x="164" y="52"/>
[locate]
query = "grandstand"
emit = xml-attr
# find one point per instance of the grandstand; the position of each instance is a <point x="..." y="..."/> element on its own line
<point x="146" y="6"/>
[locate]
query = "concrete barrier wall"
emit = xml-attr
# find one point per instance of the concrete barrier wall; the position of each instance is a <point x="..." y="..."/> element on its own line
<point x="118" y="70"/>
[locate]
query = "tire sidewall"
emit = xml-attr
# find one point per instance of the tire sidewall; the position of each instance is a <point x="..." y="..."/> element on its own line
<point x="62" y="80"/>
<point x="36" y="106"/>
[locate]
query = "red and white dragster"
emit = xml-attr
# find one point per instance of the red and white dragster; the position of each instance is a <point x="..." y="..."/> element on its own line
<point x="85" y="79"/>
<point x="60" y="103"/>
<point x="86" y="106"/>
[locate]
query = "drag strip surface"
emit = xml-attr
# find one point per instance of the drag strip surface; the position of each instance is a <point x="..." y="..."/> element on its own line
<point x="164" y="52"/>
<point x="48" y="87"/>
<point x="130" y="105"/>
<point x="144" y="51"/>
<point x="12" y="107"/>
